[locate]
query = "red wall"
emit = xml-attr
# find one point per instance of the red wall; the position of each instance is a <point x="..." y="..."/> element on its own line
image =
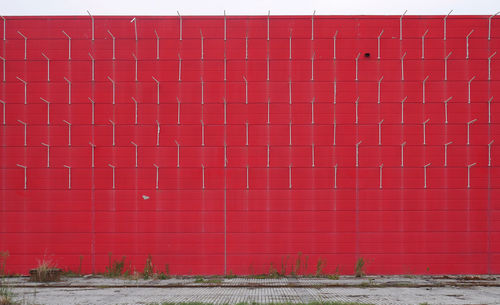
<point x="399" y="228"/>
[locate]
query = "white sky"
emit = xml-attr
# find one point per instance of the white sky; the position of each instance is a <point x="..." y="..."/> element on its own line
<point x="248" y="7"/>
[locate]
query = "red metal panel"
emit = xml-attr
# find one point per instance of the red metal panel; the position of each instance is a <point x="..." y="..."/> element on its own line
<point x="230" y="198"/>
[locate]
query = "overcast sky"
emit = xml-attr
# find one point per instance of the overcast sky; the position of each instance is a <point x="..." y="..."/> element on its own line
<point x="248" y="7"/>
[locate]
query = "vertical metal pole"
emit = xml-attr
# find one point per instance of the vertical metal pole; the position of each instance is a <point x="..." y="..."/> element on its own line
<point x="378" y="43"/>
<point x="3" y="69"/>
<point x="69" y="90"/>
<point x="25" y="176"/>
<point x="357" y="153"/>
<point x="178" y="111"/>
<point x="201" y="35"/>
<point x="135" y="59"/>
<point x="290" y="46"/>
<point x="268" y="114"/>
<point x="93" y="65"/>
<point x="180" y="66"/>
<point x="25" y="89"/>
<point x="290" y="176"/>
<point x="402" y="67"/>
<point x="246" y="90"/>
<point x="225" y="26"/>
<point x="48" y="110"/>
<point x="157" y="90"/>
<point x="402" y="153"/>
<point x="489" y="152"/>
<point x="489" y="64"/>
<point x="357" y="58"/>
<point x="113" y="84"/>
<point x="423" y="43"/>
<point x="401" y="26"/>
<point x="467" y="39"/>
<point x="268" y="155"/>
<point x="69" y="45"/>
<point x="92" y="148"/>
<point x="247" y="179"/>
<point x="3" y="112"/>
<point x="468" y="174"/>
<point x="113" y="39"/>
<point x="246" y="133"/>
<point x="225" y="111"/>
<point x="335" y="176"/>
<point x="468" y="87"/>
<point x="25" y="130"/>
<point x="312" y="111"/>
<point x="380" y="132"/>
<point x="157" y="46"/>
<point x="489" y="110"/>
<point x="225" y="64"/>
<point x="69" y="132"/>
<point x="180" y="25"/>
<point x="446" y="66"/>
<point x="135" y="102"/>
<point x="225" y="154"/>
<point x="69" y="176"/>
<point x="93" y="108"/>
<point x="157" y="133"/>
<point x="48" y="67"/>
<point x="424" y="123"/>
<point x="423" y="88"/>
<point x="92" y="18"/>
<point x="246" y="47"/>
<point x="444" y="20"/>
<point x="312" y="154"/>
<point x="468" y="129"/>
<point x="48" y="153"/>
<point x="380" y="174"/>
<point x="4" y="27"/>
<point x="335" y="45"/>
<point x="136" y="152"/>
<point x="446" y="109"/>
<point x="203" y="176"/>
<point x="178" y="153"/>
<point x="268" y="14"/>
<point x="134" y="20"/>
<point x="290" y="90"/>
<point x="402" y="110"/>
<point x="312" y="25"/>
<point x="113" y="128"/>
<point x="268" y="65"/>
<point x="202" y="133"/>
<point x="202" y="92"/>
<point x="489" y="24"/>
<point x="156" y="166"/>
<point x="425" y="174"/>
<point x="290" y="133"/>
<point x="446" y="153"/>
<point x="356" y="102"/>
<point x="113" y="169"/>
<point x="379" y="83"/>
<point x="25" y="45"/>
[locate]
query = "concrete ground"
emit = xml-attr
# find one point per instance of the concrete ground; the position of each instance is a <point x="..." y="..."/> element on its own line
<point x="385" y="290"/>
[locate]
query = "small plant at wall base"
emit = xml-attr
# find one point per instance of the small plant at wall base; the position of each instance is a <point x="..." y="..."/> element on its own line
<point x="115" y="267"/>
<point x="360" y="268"/>
<point x="6" y="296"/>
<point x="148" y="268"/>
<point x="319" y="267"/>
<point x="46" y="271"/>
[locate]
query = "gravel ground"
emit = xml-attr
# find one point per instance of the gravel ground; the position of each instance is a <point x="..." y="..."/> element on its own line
<point x="376" y="290"/>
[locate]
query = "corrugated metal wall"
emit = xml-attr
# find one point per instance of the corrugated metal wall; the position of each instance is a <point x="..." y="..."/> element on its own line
<point x="229" y="144"/>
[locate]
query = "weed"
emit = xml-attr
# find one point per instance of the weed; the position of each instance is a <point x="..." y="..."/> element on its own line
<point x="296" y="270"/>
<point x="199" y="279"/>
<point x="230" y="275"/>
<point x="273" y="272"/>
<point x="46" y="271"/>
<point x="6" y="296"/>
<point x="360" y="268"/>
<point x="115" y="267"/>
<point x="80" y="266"/>
<point x="148" y="268"/>
<point x="425" y="303"/>
<point x="319" y="267"/>
<point x="3" y="261"/>
<point x="283" y="265"/>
